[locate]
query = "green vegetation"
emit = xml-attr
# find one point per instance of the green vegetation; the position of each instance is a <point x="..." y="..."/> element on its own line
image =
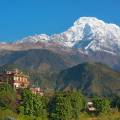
<point x="60" y="108"/>
<point x="102" y="105"/>
<point x="67" y="105"/>
<point x="32" y="105"/>
<point x="78" y="103"/>
<point x="7" y="97"/>
<point x="91" y="78"/>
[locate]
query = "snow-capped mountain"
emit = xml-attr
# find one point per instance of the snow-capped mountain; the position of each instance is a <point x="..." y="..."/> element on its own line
<point x="86" y="34"/>
<point x="89" y="39"/>
<point x="36" y="38"/>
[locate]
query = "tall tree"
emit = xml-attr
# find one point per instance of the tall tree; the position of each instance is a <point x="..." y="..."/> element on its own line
<point x="61" y="108"/>
<point x="32" y="104"/>
<point x="77" y="102"/>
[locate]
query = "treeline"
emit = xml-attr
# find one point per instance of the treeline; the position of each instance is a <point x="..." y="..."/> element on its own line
<point x="59" y="106"/>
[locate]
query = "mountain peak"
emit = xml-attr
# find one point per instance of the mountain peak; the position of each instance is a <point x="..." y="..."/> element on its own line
<point x="86" y="34"/>
<point x="88" y="20"/>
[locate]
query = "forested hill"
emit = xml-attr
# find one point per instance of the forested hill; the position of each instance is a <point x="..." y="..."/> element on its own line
<point x="91" y="78"/>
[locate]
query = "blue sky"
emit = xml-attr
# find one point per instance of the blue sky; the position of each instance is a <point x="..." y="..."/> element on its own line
<point x="20" y="18"/>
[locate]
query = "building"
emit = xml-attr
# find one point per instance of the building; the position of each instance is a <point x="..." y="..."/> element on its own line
<point x="90" y="106"/>
<point x="37" y="90"/>
<point x="15" y="78"/>
<point x="18" y="80"/>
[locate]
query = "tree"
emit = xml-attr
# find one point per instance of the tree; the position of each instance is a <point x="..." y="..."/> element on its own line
<point x="77" y="102"/>
<point x="60" y="108"/>
<point x="7" y="97"/>
<point x="101" y="105"/>
<point x="116" y="102"/>
<point x="32" y="104"/>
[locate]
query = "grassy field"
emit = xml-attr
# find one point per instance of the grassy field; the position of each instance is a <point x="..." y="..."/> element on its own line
<point x="9" y="115"/>
<point x="108" y="116"/>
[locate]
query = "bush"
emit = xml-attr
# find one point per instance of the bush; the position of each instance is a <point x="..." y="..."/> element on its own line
<point x="7" y="115"/>
<point x="116" y="102"/>
<point x="7" y="97"/>
<point x="101" y="105"/>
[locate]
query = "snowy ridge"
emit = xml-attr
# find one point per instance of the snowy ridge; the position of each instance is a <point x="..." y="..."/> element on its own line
<point x="36" y="38"/>
<point x="86" y="34"/>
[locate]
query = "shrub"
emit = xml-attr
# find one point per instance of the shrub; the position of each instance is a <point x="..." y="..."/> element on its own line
<point x="101" y="105"/>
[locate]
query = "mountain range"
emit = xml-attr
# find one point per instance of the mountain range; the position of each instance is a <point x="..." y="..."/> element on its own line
<point x="45" y="57"/>
<point x="86" y="34"/>
<point x="90" y="36"/>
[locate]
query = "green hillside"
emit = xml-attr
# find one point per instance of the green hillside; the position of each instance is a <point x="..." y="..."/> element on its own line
<point x="52" y="70"/>
<point x="91" y="78"/>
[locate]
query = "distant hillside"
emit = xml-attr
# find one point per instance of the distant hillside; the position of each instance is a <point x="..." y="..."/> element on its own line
<point x="91" y="78"/>
<point x="41" y="59"/>
<point x="63" y="69"/>
<point x="41" y="64"/>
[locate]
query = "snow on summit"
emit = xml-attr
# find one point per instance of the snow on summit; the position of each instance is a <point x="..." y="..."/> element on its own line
<point x="86" y="34"/>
